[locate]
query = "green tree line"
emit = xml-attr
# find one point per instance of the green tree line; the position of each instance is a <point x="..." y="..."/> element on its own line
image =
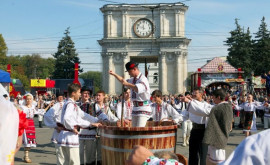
<point x="61" y="66"/>
<point x="252" y="54"/>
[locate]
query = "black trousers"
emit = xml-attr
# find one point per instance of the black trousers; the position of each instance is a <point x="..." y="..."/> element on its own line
<point x="197" y="150"/>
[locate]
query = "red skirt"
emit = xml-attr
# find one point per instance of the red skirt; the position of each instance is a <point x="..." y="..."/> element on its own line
<point x="29" y="135"/>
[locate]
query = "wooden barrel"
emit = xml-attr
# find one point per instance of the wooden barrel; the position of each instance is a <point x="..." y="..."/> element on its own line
<point x="117" y="142"/>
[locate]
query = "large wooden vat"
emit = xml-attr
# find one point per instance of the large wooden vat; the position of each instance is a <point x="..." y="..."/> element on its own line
<point x="117" y="142"/>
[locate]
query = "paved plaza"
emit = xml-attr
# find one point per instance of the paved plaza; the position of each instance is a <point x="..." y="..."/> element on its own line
<point x="44" y="152"/>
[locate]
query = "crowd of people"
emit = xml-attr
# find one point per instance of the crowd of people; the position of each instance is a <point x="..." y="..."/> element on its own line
<point x="206" y="116"/>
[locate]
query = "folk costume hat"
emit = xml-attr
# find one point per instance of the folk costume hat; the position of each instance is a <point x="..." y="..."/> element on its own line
<point x="130" y="65"/>
<point x="60" y="94"/>
<point x="86" y="88"/>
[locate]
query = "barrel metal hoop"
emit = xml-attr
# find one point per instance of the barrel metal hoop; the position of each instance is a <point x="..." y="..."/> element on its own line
<point x="130" y="150"/>
<point x="137" y="136"/>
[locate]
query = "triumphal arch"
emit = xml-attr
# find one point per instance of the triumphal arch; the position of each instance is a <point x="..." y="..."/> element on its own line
<point x="145" y="32"/>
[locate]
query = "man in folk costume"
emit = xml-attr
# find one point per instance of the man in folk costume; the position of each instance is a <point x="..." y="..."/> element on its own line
<point x="51" y="118"/>
<point x="218" y="127"/>
<point x="162" y="111"/>
<point x="9" y="125"/>
<point x="197" y="150"/>
<point x="40" y="107"/>
<point x="128" y="106"/>
<point x="186" y="124"/>
<point x="140" y="94"/>
<point x="87" y="136"/>
<point x="73" y="117"/>
<point x="84" y="134"/>
<point x="89" y="139"/>
<point x="178" y="105"/>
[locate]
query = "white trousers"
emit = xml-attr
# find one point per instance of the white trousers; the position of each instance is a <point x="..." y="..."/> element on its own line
<point x="139" y="121"/>
<point x="71" y="155"/>
<point x="216" y="155"/>
<point x="40" y="117"/>
<point x="59" y="155"/>
<point x="90" y="150"/>
<point x="186" y="127"/>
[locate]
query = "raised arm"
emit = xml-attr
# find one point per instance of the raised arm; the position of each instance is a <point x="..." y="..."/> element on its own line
<point x="259" y="105"/>
<point x="123" y="81"/>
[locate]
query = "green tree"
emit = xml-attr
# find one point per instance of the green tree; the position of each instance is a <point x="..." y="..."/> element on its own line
<point x="240" y="49"/>
<point x="96" y="76"/>
<point x="261" y="57"/>
<point x="30" y="66"/>
<point x="37" y="67"/>
<point x="18" y="74"/>
<point x="3" y="50"/>
<point x="66" y="57"/>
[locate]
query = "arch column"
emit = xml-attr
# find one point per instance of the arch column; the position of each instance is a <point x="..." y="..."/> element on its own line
<point x="107" y="65"/>
<point x="104" y="75"/>
<point x="110" y="78"/>
<point x="177" y="23"/>
<point x="178" y="73"/>
<point x="162" y="23"/>
<point x="124" y="23"/>
<point x="185" y="71"/>
<point x="125" y="60"/>
<point x="109" y="24"/>
<point x="162" y="73"/>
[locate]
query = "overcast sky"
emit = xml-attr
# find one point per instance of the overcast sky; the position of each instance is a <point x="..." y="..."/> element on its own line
<point x="36" y="26"/>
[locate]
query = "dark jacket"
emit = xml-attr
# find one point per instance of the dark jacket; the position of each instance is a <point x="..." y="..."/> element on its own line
<point x="267" y="84"/>
<point x="219" y="125"/>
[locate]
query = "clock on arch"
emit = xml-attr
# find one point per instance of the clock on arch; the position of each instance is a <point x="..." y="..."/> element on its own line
<point x="143" y="28"/>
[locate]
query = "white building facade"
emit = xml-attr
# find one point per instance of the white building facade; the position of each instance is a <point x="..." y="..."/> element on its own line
<point x="145" y="32"/>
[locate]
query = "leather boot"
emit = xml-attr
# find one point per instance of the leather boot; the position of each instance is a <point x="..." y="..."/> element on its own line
<point x="26" y="155"/>
<point x="99" y="162"/>
<point x="40" y="124"/>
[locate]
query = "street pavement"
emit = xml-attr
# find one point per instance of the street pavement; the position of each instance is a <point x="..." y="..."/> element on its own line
<point x="44" y="153"/>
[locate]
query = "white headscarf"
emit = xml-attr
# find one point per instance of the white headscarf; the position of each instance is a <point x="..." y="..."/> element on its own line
<point x="27" y="94"/>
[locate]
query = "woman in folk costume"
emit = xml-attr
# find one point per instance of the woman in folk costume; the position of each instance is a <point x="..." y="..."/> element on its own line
<point x="29" y="134"/>
<point x="40" y="107"/>
<point x="249" y="108"/>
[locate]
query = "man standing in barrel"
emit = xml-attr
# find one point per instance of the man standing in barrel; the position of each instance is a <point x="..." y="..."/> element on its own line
<point x="140" y="93"/>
